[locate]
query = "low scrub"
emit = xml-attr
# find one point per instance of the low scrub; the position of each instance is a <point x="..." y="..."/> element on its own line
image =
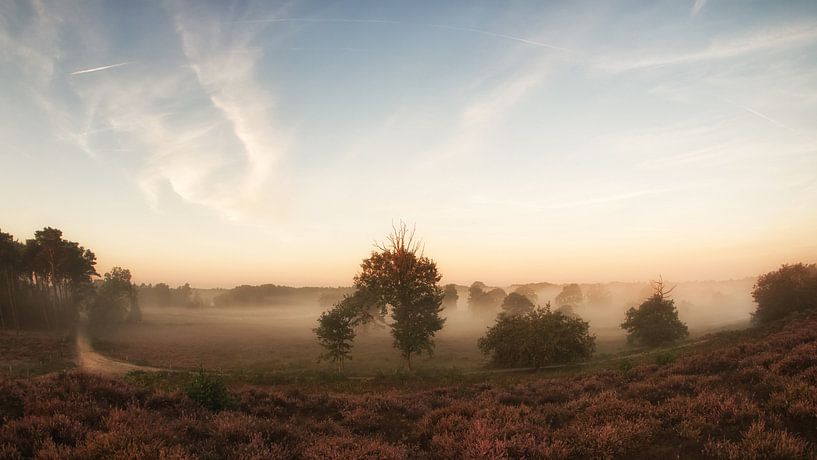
<point x="754" y="396"/>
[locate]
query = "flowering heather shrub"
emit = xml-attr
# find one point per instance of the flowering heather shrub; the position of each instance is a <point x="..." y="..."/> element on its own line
<point x="753" y="397"/>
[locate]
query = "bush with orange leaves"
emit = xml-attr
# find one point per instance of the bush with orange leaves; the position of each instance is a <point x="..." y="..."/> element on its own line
<point x="752" y="396"/>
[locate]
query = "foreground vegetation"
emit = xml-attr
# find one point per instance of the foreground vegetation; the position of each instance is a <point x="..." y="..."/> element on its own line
<point x="751" y="394"/>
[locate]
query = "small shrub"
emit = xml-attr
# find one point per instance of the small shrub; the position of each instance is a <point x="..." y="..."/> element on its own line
<point x="625" y="366"/>
<point x="208" y="391"/>
<point x="665" y="358"/>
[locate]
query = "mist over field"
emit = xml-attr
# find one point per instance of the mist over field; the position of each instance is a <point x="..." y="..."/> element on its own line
<point x="408" y="230"/>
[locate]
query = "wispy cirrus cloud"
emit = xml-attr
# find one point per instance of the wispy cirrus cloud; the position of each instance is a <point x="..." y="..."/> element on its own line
<point x="782" y="37"/>
<point x="697" y="6"/>
<point x="489" y="33"/>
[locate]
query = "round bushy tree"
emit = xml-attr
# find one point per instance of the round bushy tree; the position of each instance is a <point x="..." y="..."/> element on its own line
<point x="655" y="322"/>
<point x="789" y="289"/>
<point x="537" y="338"/>
<point x="516" y="304"/>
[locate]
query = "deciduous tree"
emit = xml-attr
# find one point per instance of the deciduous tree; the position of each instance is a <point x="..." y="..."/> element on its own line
<point x="655" y="322"/>
<point x="790" y="288"/>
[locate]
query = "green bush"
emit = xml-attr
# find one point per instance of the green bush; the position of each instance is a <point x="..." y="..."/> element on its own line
<point x="208" y="390"/>
<point x="665" y="358"/>
<point x="537" y="338"/>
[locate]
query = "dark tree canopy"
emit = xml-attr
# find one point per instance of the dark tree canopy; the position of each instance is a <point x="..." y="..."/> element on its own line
<point x="789" y="289"/>
<point x="567" y="310"/>
<point x="44" y="282"/>
<point x="516" y="304"/>
<point x="655" y="322"/>
<point x="336" y="331"/>
<point x="571" y="295"/>
<point x="537" y="338"/>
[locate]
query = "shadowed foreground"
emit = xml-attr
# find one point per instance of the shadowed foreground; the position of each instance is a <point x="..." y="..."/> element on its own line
<point x="754" y="395"/>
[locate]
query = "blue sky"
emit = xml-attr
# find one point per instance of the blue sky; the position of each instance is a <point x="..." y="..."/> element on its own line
<point x="257" y="142"/>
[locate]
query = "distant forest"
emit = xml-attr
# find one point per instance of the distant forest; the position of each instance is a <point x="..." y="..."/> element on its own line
<point x="272" y="295"/>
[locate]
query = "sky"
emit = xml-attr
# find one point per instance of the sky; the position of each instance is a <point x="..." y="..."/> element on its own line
<point x="260" y="142"/>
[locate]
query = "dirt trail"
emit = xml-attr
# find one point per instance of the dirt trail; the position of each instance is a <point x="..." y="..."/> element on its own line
<point x="91" y="361"/>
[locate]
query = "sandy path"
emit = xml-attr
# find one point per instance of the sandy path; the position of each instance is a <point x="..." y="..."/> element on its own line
<point x="91" y="361"/>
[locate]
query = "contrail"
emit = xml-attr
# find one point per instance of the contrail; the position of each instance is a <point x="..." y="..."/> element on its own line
<point x="387" y="21"/>
<point x="765" y="117"/>
<point x="498" y="35"/>
<point x="97" y="69"/>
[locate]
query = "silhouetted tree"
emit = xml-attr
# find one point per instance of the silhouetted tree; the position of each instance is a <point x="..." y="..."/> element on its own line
<point x="10" y="262"/>
<point x="655" y="322"/>
<point x="571" y="295"/>
<point x="336" y="331"/>
<point x="537" y="338"/>
<point x="45" y="281"/>
<point x="516" y="304"/>
<point x="162" y="295"/>
<point x="116" y="299"/>
<point x="789" y="289"/>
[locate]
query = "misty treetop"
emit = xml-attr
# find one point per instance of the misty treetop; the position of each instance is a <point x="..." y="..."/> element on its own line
<point x="571" y="295"/>
<point x="484" y="301"/>
<point x="451" y="296"/>
<point x="517" y="304"/>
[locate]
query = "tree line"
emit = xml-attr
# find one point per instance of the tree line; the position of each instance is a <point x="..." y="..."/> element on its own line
<point x="47" y="281"/>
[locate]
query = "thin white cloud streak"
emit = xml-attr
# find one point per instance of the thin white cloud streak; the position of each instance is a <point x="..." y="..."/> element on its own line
<point x="97" y="69"/>
<point x="499" y="35"/>
<point x="780" y="38"/>
<point x="602" y="199"/>
<point x="482" y="115"/>
<point x="765" y="117"/>
<point x="387" y="21"/>
<point x="606" y="199"/>
<point x="698" y="6"/>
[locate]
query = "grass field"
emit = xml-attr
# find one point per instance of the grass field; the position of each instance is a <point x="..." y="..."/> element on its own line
<point x="280" y="340"/>
<point x="269" y="339"/>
